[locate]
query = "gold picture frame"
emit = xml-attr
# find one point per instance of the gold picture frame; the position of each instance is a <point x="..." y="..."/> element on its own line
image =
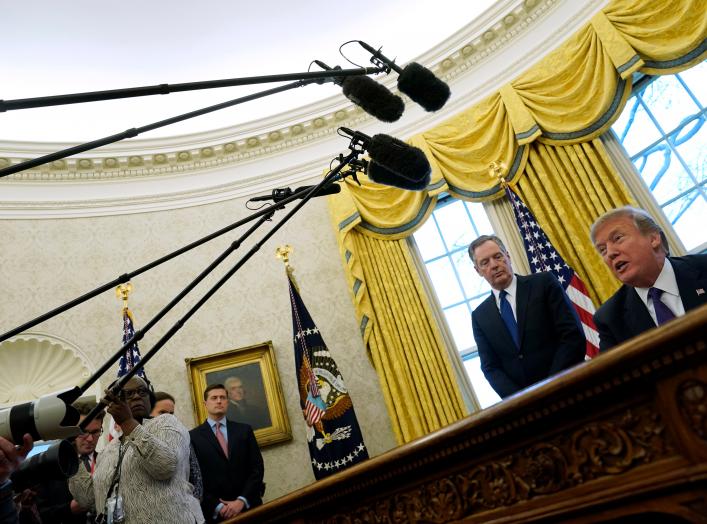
<point x="256" y="370"/>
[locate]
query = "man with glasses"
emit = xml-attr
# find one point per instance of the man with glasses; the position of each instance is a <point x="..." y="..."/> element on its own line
<point x="54" y="500"/>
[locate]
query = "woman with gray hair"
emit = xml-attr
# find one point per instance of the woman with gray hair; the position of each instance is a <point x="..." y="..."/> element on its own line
<point x="142" y="476"/>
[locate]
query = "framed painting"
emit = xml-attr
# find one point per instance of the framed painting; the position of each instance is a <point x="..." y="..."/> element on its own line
<point x="253" y="386"/>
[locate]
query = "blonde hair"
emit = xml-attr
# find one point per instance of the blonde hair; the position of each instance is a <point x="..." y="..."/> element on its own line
<point x="642" y="220"/>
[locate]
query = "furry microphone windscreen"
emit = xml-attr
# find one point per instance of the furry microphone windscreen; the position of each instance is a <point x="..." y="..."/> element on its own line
<point x="408" y="164"/>
<point x="386" y="177"/>
<point x="423" y="87"/>
<point x="374" y="98"/>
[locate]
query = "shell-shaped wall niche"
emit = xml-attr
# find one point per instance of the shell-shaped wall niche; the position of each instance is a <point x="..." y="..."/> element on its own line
<point x="32" y="365"/>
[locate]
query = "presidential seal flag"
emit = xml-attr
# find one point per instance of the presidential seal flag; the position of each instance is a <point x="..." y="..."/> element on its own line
<point x="333" y="434"/>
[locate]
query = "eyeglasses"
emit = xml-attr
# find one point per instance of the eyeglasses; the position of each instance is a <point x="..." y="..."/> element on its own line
<point x="126" y="394"/>
<point x="95" y="433"/>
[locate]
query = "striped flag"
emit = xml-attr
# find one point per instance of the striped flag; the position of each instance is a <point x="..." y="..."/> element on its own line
<point x="131" y="358"/>
<point x="127" y="362"/>
<point x="543" y="257"/>
<point x="333" y="434"/>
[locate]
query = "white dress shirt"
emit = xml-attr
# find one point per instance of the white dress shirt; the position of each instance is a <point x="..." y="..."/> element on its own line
<point x="512" y="296"/>
<point x="667" y="283"/>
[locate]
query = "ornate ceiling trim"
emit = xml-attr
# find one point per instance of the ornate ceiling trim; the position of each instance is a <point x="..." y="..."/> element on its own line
<point x="487" y="53"/>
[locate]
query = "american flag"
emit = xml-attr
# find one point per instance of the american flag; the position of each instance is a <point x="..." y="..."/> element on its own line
<point x="131" y="358"/>
<point x="333" y="434"/>
<point x="128" y="361"/>
<point x="542" y="257"/>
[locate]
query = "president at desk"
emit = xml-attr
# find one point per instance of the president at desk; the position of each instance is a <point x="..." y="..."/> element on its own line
<point x="657" y="287"/>
<point x="526" y="330"/>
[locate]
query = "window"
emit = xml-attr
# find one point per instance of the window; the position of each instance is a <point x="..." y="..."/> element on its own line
<point x="442" y="243"/>
<point x="662" y="129"/>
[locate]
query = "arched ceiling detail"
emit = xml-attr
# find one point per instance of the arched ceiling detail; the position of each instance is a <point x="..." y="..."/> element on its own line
<point x="152" y="174"/>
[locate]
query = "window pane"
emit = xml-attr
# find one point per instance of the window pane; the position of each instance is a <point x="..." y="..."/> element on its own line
<point x="484" y="392"/>
<point x="457" y="285"/>
<point x="480" y="219"/>
<point x="690" y="143"/>
<point x="663" y="173"/>
<point x="472" y="283"/>
<point x="688" y="218"/>
<point x="444" y="282"/>
<point x="669" y="102"/>
<point x="673" y="167"/>
<point x="696" y="80"/>
<point x="636" y="131"/>
<point x="454" y="224"/>
<point x="428" y="241"/>
<point x="459" y="321"/>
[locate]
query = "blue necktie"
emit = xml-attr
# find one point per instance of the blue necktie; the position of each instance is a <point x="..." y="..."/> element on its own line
<point x="662" y="312"/>
<point x="508" y="318"/>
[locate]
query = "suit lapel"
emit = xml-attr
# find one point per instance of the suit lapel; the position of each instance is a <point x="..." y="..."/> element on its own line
<point x="636" y="313"/>
<point x="496" y="329"/>
<point x="689" y="284"/>
<point x="523" y="292"/>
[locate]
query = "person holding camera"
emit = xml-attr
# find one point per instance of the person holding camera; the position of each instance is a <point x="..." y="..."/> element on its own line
<point x="144" y="475"/>
<point x="11" y="457"/>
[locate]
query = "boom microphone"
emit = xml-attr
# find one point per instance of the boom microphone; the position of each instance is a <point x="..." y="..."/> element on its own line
<point x="285" y="192"/>
<point x="393" y="162"/>
<point x="415" y="80"/>
<point x="380" y="175"/>
<point x="374" y="98"/>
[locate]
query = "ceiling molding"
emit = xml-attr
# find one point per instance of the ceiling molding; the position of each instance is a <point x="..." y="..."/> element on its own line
<point x="226" y="163"/>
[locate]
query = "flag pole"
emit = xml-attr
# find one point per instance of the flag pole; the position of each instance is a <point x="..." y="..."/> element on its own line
<point x="305" y="195"/>
<point x="283" y="253"/>
<point x="123" y="291"/>
<point x="497" y="170"/>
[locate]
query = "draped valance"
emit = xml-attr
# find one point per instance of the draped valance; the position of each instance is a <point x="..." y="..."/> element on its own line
<point x="570" y="96"/>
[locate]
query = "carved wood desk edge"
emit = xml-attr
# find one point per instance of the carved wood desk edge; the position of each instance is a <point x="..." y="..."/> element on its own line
<point x="636" y="415"/>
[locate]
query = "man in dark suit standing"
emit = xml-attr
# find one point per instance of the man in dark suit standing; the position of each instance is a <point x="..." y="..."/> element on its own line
<point x="230" y="460"/>
<point x="657" y="287"/>
<point x="526" y="330"/>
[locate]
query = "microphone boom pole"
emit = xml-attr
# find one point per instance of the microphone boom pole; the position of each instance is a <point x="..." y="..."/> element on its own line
<point x="122" y="279"/>
<point x="132" y="132"/>
<point x="164" y="89"/>
<point x="331" y="177"/>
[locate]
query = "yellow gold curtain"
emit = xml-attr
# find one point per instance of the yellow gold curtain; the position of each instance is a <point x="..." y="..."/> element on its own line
<point x="567" y="187"/>
<point x="571" y="96"/>
<point x="401" y="337"/>
<point x="543" y="125"/>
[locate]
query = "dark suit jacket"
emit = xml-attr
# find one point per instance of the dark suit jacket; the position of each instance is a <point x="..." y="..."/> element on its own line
<point x="625" y="315"/>
<point x="550" y="337"/>
<point x="241" y="475"/>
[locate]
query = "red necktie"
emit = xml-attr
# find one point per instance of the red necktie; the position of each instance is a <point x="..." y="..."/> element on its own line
<point x="221" y="439"/>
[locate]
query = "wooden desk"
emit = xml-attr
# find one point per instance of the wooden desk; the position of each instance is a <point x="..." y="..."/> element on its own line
<point x="622" y="438"/>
